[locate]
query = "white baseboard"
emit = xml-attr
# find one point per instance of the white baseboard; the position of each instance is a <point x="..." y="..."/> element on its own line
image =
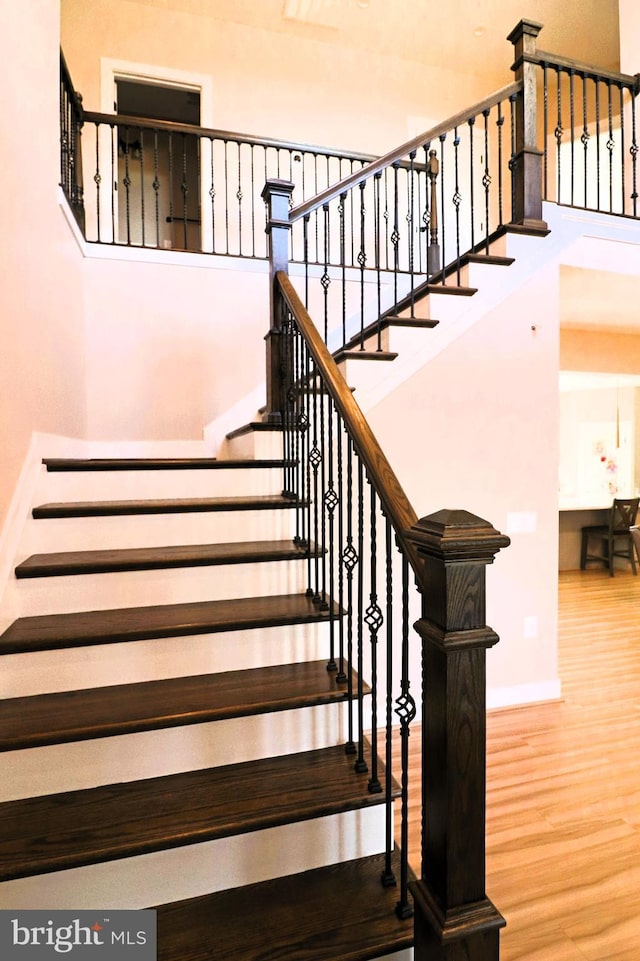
<point x="520" y="694"/>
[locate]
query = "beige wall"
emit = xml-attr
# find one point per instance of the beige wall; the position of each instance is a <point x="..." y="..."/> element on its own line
<point x="278" y="83"/>
<point x="484" y="418"/>
<point x="629" y="18"/>
<point x="601" y="350"/>
<point x="42" y="357"/>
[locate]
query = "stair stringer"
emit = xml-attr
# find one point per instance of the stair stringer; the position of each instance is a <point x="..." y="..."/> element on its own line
<point x="576" y="237"/>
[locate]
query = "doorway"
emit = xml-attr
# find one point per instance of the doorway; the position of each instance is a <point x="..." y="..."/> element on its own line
<point x="158" y="170"/>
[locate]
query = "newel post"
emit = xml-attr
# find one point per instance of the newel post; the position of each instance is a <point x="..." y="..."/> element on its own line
<point x="276" y="194"/>
<point x="454" y="919"/>
<point x="527" y="162"/>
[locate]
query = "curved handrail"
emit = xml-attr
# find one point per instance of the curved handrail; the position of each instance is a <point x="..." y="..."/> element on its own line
<point x="397" y="155"/>
<point x="393" y="499"/>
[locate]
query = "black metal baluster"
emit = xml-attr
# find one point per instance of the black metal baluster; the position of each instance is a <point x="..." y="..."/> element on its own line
<point x="376" y="229"/>
<point x="184" y="189"/>
<point x="471" y="122"/>
<point x="305" y="245"/>
<point x="558" y="135"/>
<point x="325" y="280"/>
<point x="406" y="711"/>
<point x="457" y="199"/>
<point x="307" y="466"/>
<point x="343" y="264"/>
<point x="395" y="236"/>
<point x="388" y="878"/>
<point x="426" y="214"/>
<point x="226" y="195"/>
<point x="212" y="195"/>
<point x="315" y="459"/>
<point x="585" y="137"/>
<point x="239" y="197"/>
<point x="623" y="188"/>
<point x="285" y="395"/>
<point x="199" y="227"/>
<point x="598" y="144"/>
<point x="513" y="160"/>
<point x="633" y="150"/>
<point x="499" y="125"/>
<point x="114" y="181"/>
<point x="298" y="427"/>
<point x="350" y="559"/>
<point x="156" y="187"/>
<point x="171" y="184"/>
<point x="410" y="227"/>
<point x="331" y="502"/>
<point x="572" y="117"/>
<point x="545" y="152"/>
<point x="97" y="179"/>
<point x="322" y="590"/>
<point x="127" y="186"/>
<point x="486" y="179"/>
<point x="362" y="260"/>
<point x="143" y="232"/>
<point x="374" y="620"/>
<point x="360" y="765"/>
<point x="341" y="676"/>
<point x="386" y="216"/>
<point x="442" y="138"/>
<point x="610" y="148"/>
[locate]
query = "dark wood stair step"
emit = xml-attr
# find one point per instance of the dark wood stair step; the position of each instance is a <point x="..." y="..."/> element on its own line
<point x="48" y="632"/>
<point x="56" y="832"/>
<point x="27" y="722"/>
<point x="190" y="505"/>
<point x="158" y="558"/>
<point x="154" y="463"/>
<point x="336" y="913"/>
<point x="357" y="353"/>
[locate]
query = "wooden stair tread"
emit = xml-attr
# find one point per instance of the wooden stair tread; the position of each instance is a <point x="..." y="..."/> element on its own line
<point x="336" y="913"/>
<point x="61" y="831"/>
<point x="157" y="558"/>
<point x="356" y="353"/>
<point x="46" y="632"/>
<point x="27" y="722"/>
<point x="187" y="505"/>
<point x="154" y="463"/>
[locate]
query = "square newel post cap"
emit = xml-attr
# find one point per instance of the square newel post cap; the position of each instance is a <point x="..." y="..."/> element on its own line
<point x="529" y="28"/>
<point x="457" y="536"/>
<point x="277" y="195"/>
<point x="277" y="188"/>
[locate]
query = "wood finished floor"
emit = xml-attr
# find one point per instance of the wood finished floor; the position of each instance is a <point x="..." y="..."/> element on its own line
<point x="563" y="803"/>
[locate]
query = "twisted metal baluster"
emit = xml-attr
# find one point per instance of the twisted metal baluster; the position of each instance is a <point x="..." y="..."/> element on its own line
<point x="572" y="74"/>
<point x="513" y="160"/>
<point x="97" y="178"/>
<point x="610" y="147"/>
<point x="633" y="150"/>
<point x="410" y="227"/>
<point x="456" y="199"/>
<point x="360" y="765"/>
<point x="442" y="138"/>
<point x="156" y="186"/>
<point x="325" y="280"/>
<point x="376" y="231"/>
<point x="142" y="186"/>
<point x="322" y="592"/>
<point x="406" y="711"/>
<point x="584" y="139"/>
<point x="114" y="131"/>
<point x="343" y="265"/>
<point x="622" y="142"/>
<point x="545" y="153"/>
<point x="395" y="235"/>
<point x="350" y="559"/>
<point x="226" y="194"/>
<point x="331" y="502"/>
<point x="341" y="676"/>
<point x="374" y="620"/>
<point x="171" y="183"/>
<point x="212" y="195"/>
<point x="362" y="260"/>
<point x="127" y="185"/>
<point x="388" y="878"/>
<point x="499" y="125"/>
<point x="597" y="144"/>
<point x="253" y="201"/>
<point x="315" y="459"/>
<point x="471" y="124"/>
<point x="486" y="178"/>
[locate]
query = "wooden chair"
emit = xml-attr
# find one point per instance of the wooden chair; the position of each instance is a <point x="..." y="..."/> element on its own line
<point x="614" y="538"/>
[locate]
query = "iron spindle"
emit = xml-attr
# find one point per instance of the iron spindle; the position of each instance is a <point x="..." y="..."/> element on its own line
<point x="373" y="620"/>
<point x="471" y="124"/>
<point x="572" y="123"/>
<point x="171" y="184"/>
<point x="395" y="236"/>
<point x="362" y="260"/>
<point x="598" y="144"/>
<point x="325" y="280"/>
<point x="558" y="135"/>
<point x="350" y="559"/>
<point x="623" y="191"/>
<point x="499" y="125"/>
<point x="322" y="507"/>
<point x="442" y="138"/>
<point x="634" y="157"/>
<point x="341" y="676"/>
<point x="545" y="127"/>
<point x="142" y="217"/>
<point x="185" y="193"/>
<point x="457" y="199"/>
<point x="360" y="765"/>
<point x="410" y="228"/>
<point x="315" y="458"/>
<point x="253" y="201"/>
<point x="331" y="501"/>
<point x="305" y="245"/>
<point x="226" y="195"/>
<point x="486" y="179"/>
<point x="610" y="146"/>
<point x="114" y="181"/>
<point x="585" y="136"/>
<point x="513" y="159"/>
<point x="239" y="197"/>
<point x="376" y="230"/>
<point x="307" y="435"/>
<point x="156" y="187"/>
<point x="97" y="179"/>
<point x="127" y="185"/>
<point x="406" y="711"/>
<point x="212" y="195"/>
<point x="388" y="878"/>
<point x="341" y="213"/>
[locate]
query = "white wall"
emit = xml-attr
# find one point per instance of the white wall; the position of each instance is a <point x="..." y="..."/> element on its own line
<point x="42" y="378"/>
<point x="477" y="429"/>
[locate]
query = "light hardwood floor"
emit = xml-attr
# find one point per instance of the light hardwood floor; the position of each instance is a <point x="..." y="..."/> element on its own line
<point x="563" y="789"/>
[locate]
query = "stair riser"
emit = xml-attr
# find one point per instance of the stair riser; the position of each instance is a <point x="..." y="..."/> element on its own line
<point x="85" y="764"/>
<point x="444" y="307"/>
<point x="140" y="485"/>
<point x="87" y="592"/>
<point x="156" y="530"/>
<point x="197" y="869"/>
<point x="149" y="660"/>
<point x="258" y="444"/>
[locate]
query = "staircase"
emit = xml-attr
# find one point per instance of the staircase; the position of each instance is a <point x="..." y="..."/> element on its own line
<point x="170" y="733"/>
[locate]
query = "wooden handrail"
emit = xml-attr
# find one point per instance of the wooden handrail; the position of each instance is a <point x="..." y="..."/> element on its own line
<point x="397" y="155"/>
<point x="166" y="126"/>
<point x="542" y="58"/>
<point x="395" y="503"/>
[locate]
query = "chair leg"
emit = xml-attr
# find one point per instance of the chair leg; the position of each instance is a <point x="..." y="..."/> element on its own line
<point x="610" y="549"/>
<point x="632" y="558"/>
<point x="583" y="551"/>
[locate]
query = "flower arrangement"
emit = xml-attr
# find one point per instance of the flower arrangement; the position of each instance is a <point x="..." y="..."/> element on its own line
<point x="610" y="466"/>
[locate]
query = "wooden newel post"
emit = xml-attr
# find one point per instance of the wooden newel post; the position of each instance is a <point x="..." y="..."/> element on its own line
<point x="276" y="194"/>
<point x="527" y="162"/>
<point x="455" y="921"/>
